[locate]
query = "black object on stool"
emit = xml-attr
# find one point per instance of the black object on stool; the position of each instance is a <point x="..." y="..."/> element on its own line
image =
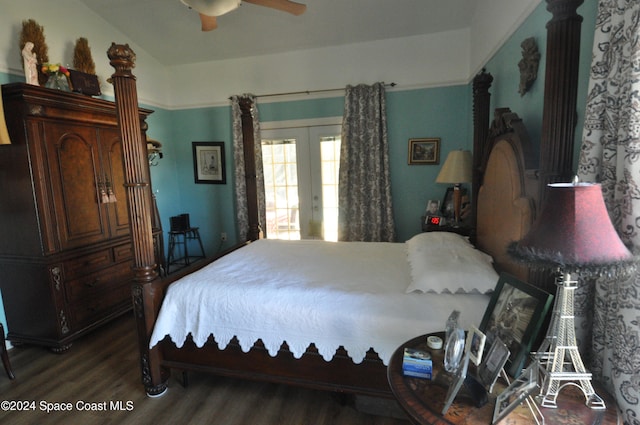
<point x="180" y="234"/>
<point x="5" y="355"/>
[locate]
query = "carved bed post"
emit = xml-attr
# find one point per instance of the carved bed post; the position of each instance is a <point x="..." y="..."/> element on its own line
<point x="481" y="118"/>
<point x="246" y="106"/>
<point x="560" y="93"/>
<point x="137" y="186"/>
<point x="559" y="116"/>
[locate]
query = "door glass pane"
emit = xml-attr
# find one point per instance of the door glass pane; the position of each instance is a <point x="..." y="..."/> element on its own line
<point x="281" y="188"/>
<point x="330" y="163"/>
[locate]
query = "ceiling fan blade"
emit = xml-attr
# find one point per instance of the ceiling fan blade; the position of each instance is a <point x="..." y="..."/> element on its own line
<point x="212" y="7"/>
<point x="284" y="5"/>
<point x="209" y="23"/>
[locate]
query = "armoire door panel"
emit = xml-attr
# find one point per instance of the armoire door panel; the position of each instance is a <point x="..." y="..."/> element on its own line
<point x="73" y="160"/>
<point x="114" y="168"/>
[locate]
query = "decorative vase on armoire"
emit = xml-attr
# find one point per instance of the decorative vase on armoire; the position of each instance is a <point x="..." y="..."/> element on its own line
<point x="58" y="81"/>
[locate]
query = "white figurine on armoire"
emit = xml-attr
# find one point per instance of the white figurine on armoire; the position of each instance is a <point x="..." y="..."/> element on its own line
<point x="30" y="64"/>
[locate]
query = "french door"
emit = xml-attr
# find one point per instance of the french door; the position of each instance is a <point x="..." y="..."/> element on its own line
<point x="301" y="182"/>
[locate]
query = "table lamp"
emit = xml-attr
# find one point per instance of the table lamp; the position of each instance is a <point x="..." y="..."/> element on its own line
<point x="573" y="236"/>
<point x="4" y="133"/>
<point x="457" y="169"/>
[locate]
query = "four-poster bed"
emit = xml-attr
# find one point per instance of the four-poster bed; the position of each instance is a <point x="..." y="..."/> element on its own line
<point x="505" y="189"/>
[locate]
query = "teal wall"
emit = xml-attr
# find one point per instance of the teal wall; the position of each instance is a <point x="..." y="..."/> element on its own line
<point x="210" y="206"/>
<point x="410" y="114"/>
<point x="504" y="68"/>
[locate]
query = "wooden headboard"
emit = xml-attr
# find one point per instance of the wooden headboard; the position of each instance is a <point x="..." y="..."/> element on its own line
<point x="506" y="198"/>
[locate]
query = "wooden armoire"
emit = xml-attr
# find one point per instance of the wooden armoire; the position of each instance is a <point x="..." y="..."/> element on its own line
<point x="65" y="248"/>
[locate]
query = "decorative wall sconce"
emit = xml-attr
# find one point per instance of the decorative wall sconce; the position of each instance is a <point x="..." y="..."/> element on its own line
<point x="528" y="64"/>
<point x="154" y="151"/>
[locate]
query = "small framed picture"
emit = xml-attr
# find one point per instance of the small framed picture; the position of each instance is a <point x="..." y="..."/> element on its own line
<point x="456" y="383"/>
<point x="208" y="162"/>
<point x="433" y="207"/>
<point x="515" y="314"/>
<point x="475" y="344"/>
<point x="517" y="392"/>
<point x="424" y="151"/>
<point x="447" y="206"/>
<point x="492" y="364"/>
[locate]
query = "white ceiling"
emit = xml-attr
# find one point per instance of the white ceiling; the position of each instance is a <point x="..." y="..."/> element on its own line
<point x="170" y="32"/>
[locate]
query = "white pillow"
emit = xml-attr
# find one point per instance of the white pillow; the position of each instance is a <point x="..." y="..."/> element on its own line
<point x="444" y="262"/>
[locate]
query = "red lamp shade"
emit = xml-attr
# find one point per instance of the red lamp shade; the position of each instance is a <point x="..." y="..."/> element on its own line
<point x="574" y="232"/>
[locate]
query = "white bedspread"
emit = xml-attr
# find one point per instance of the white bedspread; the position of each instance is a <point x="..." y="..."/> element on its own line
<point x="349" y="294"/>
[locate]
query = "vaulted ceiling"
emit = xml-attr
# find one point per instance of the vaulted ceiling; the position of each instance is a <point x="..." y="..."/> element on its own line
<point x="170" y="31"/>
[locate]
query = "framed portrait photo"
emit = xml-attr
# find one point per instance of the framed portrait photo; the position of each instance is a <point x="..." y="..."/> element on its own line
<point x="424" y="151"/>
<point x="447" y="205"/>
<point x="515" y="314"/>
<point x="433" y="207"/>
<point x="475" y="344"/>
<point x="492" y="364"/>
<point x="208" y="162"/>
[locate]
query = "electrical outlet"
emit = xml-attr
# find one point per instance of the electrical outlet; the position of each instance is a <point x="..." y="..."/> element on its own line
<point x="223" y="236"/>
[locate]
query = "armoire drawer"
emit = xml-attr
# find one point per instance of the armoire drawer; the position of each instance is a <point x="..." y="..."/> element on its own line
<point x="122" y="252"/>
<point x="91" y="309"/>
<point x="87" y="263"/>
<point x="102" y="281"/>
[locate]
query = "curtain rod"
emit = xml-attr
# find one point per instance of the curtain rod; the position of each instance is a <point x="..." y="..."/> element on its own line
<point x="310" y="91"/>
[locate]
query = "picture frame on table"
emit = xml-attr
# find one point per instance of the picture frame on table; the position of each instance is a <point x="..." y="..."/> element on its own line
<point x="515" y="314"/>
<point x="456" y="383"/>
<point x="475" y="344"/>
<point x="447" y="205"/>
<point x="516" y="393"/>
<point x="209" y="162"/>
<point x="424" y="151"/>
<point x="492" y="364"/>
<point x="433" y="207"/>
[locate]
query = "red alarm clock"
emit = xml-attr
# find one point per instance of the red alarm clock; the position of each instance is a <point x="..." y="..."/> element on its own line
<point x="434" y="220"/>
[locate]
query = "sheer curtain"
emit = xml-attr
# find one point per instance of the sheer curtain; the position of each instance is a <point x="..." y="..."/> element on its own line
<point x="242" y="218"/>
<point x="610" y="155"/>
<point x="365" y="207"/>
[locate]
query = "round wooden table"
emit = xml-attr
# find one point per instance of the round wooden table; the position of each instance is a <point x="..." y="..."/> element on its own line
<point x="423" y="399"/>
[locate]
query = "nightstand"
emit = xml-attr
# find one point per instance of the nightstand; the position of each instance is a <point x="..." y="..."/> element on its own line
<point x="423" y="399"/>
<point x="461" y="229"/>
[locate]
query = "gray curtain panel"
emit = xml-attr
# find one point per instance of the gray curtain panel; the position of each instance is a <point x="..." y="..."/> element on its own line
<point x="610" y="155"/>
<point x="365" y="206"/>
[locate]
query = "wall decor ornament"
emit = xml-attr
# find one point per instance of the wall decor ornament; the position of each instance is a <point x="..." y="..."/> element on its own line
<point x="528" y="65"/>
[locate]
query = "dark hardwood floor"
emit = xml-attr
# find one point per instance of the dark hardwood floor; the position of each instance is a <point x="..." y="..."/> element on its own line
<point x="101" y="371"/>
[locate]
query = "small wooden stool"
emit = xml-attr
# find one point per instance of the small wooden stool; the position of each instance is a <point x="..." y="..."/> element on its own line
<point x="4" y="354"/>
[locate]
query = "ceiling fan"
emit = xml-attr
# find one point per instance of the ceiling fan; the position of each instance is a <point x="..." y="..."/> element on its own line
<point x="210" y="9"/>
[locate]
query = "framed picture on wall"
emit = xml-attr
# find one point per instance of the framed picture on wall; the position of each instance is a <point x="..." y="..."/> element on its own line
<point x="424" y="151"/>
<point x="208" y="162"/>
